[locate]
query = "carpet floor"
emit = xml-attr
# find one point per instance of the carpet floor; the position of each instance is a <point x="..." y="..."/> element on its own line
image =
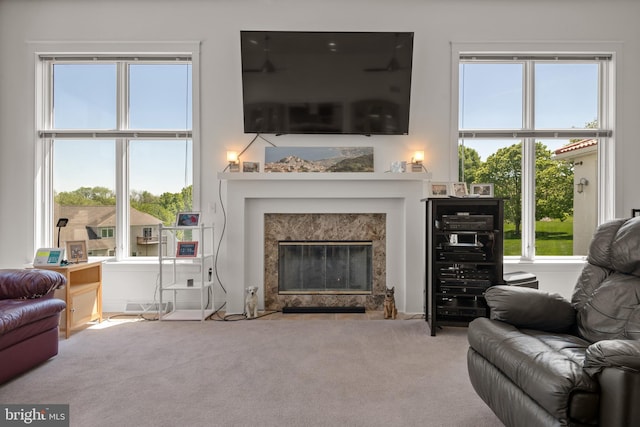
<point x="291" y="372"/>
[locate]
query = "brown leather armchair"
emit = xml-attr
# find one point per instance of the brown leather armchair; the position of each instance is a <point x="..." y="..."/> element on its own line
<point x="540" y="360"/>
<point x="29" y="319"/>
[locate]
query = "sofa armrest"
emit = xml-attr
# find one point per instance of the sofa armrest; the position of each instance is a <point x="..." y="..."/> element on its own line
<point x="530" y="308"/>
<point x="623" y="354"/>
<point x="29" y="283"/>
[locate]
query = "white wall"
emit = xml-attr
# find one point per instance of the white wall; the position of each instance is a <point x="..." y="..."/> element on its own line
<point x="216" y="24"/>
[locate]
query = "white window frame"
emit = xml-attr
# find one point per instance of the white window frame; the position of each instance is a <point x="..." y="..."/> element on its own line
<point x="606" y="145"/>
<point x="43" y="141"/>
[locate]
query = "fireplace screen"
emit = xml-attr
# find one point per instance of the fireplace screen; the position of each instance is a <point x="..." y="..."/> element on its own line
<point x="324" y="267"/>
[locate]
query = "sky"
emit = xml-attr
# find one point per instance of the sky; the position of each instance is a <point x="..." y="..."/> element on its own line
<point x="566" y="97"/>
<point x="160" y="97"/>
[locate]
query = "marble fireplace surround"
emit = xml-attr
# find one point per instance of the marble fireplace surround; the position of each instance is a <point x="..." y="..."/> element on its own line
<point x="328" y="227"/>
<point x="249" y="196"/>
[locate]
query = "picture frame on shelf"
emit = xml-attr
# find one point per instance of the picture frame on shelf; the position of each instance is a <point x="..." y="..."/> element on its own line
<point x="482" y="190"/>
<point x="250" y="166"/>
<point x="459" y="189"/>
<point x="188" y="219"/>
<point x="77" y="251"/>
<point x="187" y="249"/>
<point x="635" y="212"/>
<point x="439" y="189"/>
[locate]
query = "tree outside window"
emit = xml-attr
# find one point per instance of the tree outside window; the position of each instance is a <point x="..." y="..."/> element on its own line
<point x="502" y="119"/>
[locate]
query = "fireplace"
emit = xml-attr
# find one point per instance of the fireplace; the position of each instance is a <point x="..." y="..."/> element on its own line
<point x="324" y="267"/>
<point x="397" y="244"/>
<point x="324" y="260"/>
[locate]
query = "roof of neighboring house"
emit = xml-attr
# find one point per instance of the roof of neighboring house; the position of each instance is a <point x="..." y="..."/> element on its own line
<point x="576" y="148"/>
<point x="84" y="222"/>
<point x="101" y="216"/>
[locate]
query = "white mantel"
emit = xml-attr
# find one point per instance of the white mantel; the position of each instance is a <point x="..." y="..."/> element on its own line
<point x="248" y="196"/>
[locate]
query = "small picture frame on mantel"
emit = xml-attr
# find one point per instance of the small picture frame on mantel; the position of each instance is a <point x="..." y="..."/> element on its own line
<point x="635" y="212"/>
<point x="250" y="167"/>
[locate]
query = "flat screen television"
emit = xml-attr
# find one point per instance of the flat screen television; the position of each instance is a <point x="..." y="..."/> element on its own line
<point x="304" y="82"/>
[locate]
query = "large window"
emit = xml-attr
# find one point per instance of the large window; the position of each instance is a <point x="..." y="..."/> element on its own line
<point x="532" y="125"/>
<point x="116" y="133"/>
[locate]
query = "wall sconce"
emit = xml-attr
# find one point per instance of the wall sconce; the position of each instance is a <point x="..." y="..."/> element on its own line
<point x="416" y="161"/>
<point x="581" y="184"/>
<point x="234" y="161"/>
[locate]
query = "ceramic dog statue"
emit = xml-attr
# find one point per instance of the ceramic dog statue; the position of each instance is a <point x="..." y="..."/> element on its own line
<point x="251" y="302"/>
<point x="390" y="310"/>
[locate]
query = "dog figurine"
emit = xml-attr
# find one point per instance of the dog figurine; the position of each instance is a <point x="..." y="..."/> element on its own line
<point x="390" y="310"/>
<point x="251" y="302"/>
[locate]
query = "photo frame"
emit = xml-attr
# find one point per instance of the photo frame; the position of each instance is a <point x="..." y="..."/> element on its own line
<point x="250" y="166"/>
<point x="482" y="190"/>
<point x="459" y="189"/>
<point x="188" y="219"/>
<point x="635" y="212"/>
<point x="187" y="249"/>
<point x="439" y="189"/>
<point x="77" y="251"/>
<point x="318" y="159"/>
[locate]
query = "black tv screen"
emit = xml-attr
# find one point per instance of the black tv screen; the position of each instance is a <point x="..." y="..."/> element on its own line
<point x="326" y="82"/>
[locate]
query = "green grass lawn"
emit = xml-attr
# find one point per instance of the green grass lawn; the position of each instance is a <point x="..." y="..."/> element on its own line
<point x="553" y="237"/>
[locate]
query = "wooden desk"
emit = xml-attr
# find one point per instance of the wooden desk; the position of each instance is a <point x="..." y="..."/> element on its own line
<point x="83" y="294"/>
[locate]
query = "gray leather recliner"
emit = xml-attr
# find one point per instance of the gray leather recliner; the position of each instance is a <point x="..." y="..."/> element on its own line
<point x="540" y="360"/>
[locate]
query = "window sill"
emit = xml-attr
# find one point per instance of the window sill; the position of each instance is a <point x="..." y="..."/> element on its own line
<point x="546" y="260"/>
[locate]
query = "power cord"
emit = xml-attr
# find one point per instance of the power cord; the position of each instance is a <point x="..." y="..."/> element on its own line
<point x="237" y="317"/>
<point x="224" y="228"/>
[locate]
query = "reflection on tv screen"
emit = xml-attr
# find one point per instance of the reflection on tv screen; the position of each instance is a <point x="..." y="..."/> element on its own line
<point x="326" y="82"/>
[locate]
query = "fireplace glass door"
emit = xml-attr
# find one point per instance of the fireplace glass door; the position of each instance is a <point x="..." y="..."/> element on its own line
<point x="321" y="267"/>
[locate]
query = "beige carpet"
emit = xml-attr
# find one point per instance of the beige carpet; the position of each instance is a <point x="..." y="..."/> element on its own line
<point x="259" y="373"/>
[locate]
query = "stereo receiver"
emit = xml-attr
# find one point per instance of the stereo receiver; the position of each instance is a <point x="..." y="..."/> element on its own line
<point x="467" y="222"/>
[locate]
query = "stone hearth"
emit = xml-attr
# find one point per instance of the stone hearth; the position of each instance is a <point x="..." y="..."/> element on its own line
<point x="317" y="227"/>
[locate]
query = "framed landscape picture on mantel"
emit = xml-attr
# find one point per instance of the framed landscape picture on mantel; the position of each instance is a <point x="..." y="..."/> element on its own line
<point x="318" y="159"/>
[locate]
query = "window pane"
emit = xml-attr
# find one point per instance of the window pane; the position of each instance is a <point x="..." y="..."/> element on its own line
<point x="566" y="213"/>
<point x="160" y="187"/>
<point x="490" y="96"/>
<point x="160" y="96"/>
<point x="84" y="192"/>
<point x="498" y="162"/>
<point x="84" y="96"/>
<point x="566" y="95"/>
